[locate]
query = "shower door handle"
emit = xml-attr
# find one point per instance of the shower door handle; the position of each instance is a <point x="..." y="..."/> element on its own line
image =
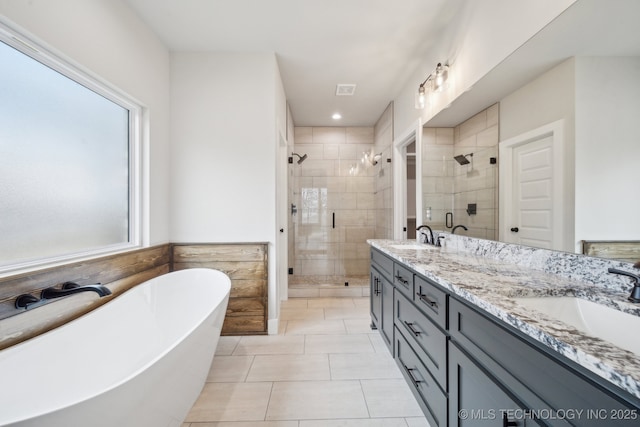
<point x="333" y="221"/>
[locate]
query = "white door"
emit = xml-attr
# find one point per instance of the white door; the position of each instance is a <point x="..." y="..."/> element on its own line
<point x="532" y="220"/>
<point x="531" y="211"/>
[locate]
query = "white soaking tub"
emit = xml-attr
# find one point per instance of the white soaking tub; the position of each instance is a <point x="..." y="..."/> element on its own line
<point x="140" y="360"/>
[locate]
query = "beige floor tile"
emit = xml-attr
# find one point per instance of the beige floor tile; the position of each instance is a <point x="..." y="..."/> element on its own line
<point x="363" y="366"/>
<point x="367" y="422"/>
<point x="316" y="327"/>
<point x="289" y="368"/>
<point x="231" y="402"/>
<point x="331" y="303"/>
<point x="227" y="369"/>
<point x="270" y="344"/>
<point x="226" y="345"/>
<point x="302" y="293"/>
<point x="362" y="302"/>
<point x="346" y="313"/>
<point x="359" y="326"/>
<point x="282" y="327"/>
<point x="248" y="424"/>
<point x="346" y="291"/>
<point x="417" y="422"/>
<point x="390" y="398"/>
<point x="378" y="343"/>
<point x="302" y="314"/>
<point x="294" y="303"/>
<point x="315" y="344"/>
<point x="316" y="400"/>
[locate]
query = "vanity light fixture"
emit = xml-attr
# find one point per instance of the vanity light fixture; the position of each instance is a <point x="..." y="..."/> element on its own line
<point x="436" y="82"/>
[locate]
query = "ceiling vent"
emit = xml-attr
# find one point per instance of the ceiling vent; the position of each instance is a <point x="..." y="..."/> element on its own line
<point x="345" y="89"/>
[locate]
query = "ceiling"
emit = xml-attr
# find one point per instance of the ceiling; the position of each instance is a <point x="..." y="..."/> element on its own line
<point x="374" y="44"/>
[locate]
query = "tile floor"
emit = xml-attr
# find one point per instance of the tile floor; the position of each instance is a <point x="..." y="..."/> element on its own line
<point x="326" y="368"/>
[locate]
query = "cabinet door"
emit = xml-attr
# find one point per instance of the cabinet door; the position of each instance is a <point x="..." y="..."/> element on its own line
<point x="375" y="298"/>
<point x="387" y="312"/>
<point x="476" y="399"/>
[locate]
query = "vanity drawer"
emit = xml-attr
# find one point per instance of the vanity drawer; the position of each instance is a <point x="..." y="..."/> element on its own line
<point x="384" y="263"/>
<point x="432" y="300"/>
<point x="403" y="279"/>
<point x="427" y="340"/>
<point x="431" y="398"/>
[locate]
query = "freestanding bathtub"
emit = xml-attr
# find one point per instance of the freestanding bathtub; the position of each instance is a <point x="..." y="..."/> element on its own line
<point x="140" y="360"/>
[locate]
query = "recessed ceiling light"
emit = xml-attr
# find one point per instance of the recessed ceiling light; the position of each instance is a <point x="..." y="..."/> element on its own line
<point x="336" y="116"/>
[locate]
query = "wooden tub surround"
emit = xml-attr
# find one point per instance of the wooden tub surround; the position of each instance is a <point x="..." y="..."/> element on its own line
<point x="246" y="266"/>
<point x="244" y="263"/>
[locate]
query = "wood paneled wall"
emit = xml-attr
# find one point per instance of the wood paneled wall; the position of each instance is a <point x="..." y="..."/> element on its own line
<point x="118" y="272"/>
<point x="621" y="250"/>
<point x="246" y="265"/>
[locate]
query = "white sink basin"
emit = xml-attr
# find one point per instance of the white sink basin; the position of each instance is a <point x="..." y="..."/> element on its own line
<point x="591" y="318"/>
<point x="413" y="247"/>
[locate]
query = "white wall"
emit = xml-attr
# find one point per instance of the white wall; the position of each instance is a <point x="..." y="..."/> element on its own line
<point x="601" y="136"/>
<point x="227" y="111"/>
<point x="548" y="98"/>
<point x="607" y="148"/>
<point x="107" y="39"/>
<point x="481" y="35"/>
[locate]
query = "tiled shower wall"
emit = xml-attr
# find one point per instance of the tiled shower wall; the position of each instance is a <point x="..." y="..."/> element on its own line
<point x="450" y="187"/>
<point x="325" y="184"/>
<point x="383" y="179"/>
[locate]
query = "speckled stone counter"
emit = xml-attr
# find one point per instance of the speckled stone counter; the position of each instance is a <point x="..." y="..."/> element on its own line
<point x="490" y="274"/>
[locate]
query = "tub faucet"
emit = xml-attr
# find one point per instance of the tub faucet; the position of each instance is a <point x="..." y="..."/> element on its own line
<point x="453" y="230"/>
<point x="69" y="288"/>
<point x="635" y="292"/>
<point x="426" y="238"/>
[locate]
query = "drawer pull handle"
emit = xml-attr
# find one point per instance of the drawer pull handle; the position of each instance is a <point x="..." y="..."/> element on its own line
<point x="376" y="289"/>
<point x="411" y="377"/>
<point x="402" y="280"/>
<point x="507" y="423"/>
<point x="426" y="300"/>
<point x="411" y="328"/>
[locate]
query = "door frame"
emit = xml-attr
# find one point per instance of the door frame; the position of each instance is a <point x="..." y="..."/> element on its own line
<point x="411" y="134"/>
<point x="555" y="130"/>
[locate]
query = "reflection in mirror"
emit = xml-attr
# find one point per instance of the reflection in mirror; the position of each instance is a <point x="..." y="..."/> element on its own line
<point x="570" y="71"/>
<point x="450" y="187"/>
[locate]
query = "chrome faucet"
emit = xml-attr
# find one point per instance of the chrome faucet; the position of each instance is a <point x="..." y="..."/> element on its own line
<point x="69" y="288"/>
<point x="426" y="238"/>
<point x="635" y="292"/>
<point x="453" y="230"/>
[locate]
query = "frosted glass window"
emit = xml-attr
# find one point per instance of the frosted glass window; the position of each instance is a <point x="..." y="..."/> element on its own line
<point x="65" y="176"/>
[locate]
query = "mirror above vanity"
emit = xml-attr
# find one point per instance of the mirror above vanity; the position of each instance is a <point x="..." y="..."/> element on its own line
<point x="577" y="82"/>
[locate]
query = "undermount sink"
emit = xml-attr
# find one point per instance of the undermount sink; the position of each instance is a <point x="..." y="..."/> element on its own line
<point x="413" y="247"/>
<point x="593" y="319"/>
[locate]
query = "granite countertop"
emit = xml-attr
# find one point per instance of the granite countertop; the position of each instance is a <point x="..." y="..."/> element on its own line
<point x="491" y="284"/>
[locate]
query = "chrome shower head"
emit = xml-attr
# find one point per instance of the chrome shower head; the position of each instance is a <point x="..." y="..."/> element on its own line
<point x="462" y="159"/>
<point x="300" y="158"/>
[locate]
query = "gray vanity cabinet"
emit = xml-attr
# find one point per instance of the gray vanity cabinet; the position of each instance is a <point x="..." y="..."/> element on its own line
<point x="553" y="390"/>
<point x="375" y="298"/>
<point x="468" y="368"/>
<point x="429" y="395"/>
<point x="476" y="399"/>
<point x="382" y="296"/>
